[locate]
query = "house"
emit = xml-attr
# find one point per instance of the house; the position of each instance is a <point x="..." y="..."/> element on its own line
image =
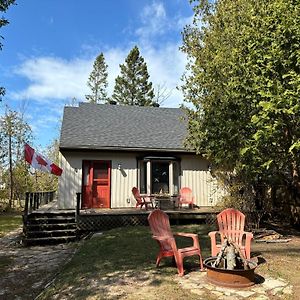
<point x="105" y="150"/>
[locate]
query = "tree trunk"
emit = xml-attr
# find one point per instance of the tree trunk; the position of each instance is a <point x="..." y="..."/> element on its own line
<point x="10" y="172"/>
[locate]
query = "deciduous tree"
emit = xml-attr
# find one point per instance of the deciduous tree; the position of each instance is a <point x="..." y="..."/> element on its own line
<point x="243" y="81"/>
<point x="47" y="181"/>
<point x="14" y="133"/>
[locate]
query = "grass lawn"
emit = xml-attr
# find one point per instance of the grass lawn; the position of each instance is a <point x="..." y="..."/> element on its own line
<point x="282" y="260"/>
<point x="120" y="264"/>
<point x="9" y="222"/>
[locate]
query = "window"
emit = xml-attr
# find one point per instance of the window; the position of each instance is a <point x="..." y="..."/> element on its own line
<point x="143" y="176"/>
<point x="159" y="175"/>
<point x="86" y="173"/>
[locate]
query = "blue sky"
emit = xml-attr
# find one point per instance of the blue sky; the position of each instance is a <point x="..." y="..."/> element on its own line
<point x="50" y="46"/>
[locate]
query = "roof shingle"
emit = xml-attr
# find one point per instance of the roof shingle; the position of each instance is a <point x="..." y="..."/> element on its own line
<point x="105" y="126"/>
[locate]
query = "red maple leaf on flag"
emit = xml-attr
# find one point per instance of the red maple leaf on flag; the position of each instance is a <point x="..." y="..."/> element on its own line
<point x="37" y="161"/>
<point x="41" y="161"/>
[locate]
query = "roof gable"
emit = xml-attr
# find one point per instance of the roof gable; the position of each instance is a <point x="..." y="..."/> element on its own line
<point x="105" y="126"/>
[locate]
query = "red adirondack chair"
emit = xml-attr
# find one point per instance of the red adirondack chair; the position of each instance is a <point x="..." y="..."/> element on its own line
<point x="141" y="200"/>
<point x="161" y="230"/>
<point x="186" y="197"/>
<point x="231" y="224"/>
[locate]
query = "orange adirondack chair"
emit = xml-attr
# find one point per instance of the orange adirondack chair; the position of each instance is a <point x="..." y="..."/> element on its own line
<point x="141" y="200"/>
<point x="231" y="225"/>
<point x="161" y="230"/>
<point x="186" y="197"/>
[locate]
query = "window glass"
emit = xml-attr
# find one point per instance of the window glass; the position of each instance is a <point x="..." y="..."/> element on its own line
<point x="100" y="171"/>
<point x="160" y="177"/>
<point x="86" y="170"/>
<point x="143" y="177"/>
<point x="175" y="177"/>
<point x="159" y="181"/>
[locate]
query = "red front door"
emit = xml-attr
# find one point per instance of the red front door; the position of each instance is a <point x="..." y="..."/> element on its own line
<point x="96" y="184"/>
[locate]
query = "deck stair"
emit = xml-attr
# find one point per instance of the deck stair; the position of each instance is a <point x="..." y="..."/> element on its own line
<point x="49" y="227"/>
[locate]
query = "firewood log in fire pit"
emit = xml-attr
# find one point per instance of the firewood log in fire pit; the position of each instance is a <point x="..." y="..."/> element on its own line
<point x="230" y="257"/>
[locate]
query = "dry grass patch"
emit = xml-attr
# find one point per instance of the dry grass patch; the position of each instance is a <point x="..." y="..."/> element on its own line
<point x="282" y="260"/>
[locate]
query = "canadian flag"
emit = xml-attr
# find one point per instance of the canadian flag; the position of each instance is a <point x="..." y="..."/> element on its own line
<point x="40" y="162"/>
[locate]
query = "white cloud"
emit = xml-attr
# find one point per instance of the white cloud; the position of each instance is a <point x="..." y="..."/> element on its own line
<point x="166" y="66"/>
<point x="57" y="79"/>
<point x="52" y="77"/>
<point x="154" y="20"/>
<point x="114" y="57"/>
<point x="54" y="81"/>
<point x="183" y="21"/>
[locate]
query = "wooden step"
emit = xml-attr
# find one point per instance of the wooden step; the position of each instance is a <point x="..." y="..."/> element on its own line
<point x="47" y="226"/>
<point x="42" y="228"/>
<point x="52" y="214"/>
<point x="50" y="233"/>
<point x="54" y="220"/>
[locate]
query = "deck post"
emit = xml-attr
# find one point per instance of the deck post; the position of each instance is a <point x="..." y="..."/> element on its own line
<point x="30" y="201"/>
<point x="78" y="200"/>
<point x="26" y="203"/>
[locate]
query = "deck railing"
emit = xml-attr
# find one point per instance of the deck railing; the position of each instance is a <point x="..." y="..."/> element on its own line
<point x="34" y="200"/>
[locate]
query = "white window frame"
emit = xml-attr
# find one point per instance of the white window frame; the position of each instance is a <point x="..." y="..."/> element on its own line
<point x="172" y="161"/>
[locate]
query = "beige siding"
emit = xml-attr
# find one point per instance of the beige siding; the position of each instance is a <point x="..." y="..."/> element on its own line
<point x="122" y="180"/>
<point x="195" y="175"/>
<point x="69" y="182"/>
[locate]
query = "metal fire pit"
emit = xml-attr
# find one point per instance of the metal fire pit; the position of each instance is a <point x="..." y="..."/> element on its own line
<point x="230" y="278"/>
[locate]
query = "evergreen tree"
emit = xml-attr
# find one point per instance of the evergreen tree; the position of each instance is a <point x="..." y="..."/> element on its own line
<point x="97" y="81"/>
<point x="132" y="86"/>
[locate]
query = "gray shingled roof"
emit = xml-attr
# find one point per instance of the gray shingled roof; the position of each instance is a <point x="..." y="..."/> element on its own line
<point x="104" y="126"/>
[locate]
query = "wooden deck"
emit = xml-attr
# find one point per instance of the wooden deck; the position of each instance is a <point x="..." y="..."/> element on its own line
<point x="92" y="220"/>
<point x="102" y="219"/>
<point x="99" y="219"/>
<point x="196" y="212"/>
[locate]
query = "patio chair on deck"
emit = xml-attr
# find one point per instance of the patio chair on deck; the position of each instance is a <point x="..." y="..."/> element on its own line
<point x="231" y="224"/>
<point x="161" y="230"/>
<point x="186" y="197"/>
<point x="141" y="200"/>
